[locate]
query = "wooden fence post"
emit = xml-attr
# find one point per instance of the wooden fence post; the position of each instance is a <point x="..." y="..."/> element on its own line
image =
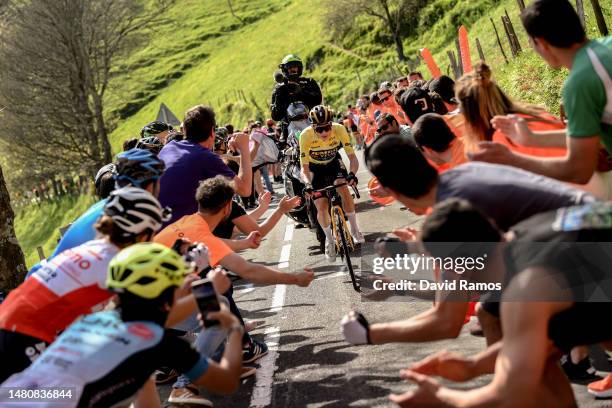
<point x="480" y="53"/>
<point x="459" y="60"/>
<point x="499" y="41"/>
<point x="521" y="4"/>
<point x="509" y="36"/>
<point x="601" y="21"/>
<point x="453" y="64"/>
<point x="580" y="11"/>
<point x="517" y="45"/>
<point x="41" y="254"/>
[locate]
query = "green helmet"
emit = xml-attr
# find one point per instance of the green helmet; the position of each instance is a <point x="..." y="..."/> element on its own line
<point x="291" y="60"/>
<point x="145" y="269"/>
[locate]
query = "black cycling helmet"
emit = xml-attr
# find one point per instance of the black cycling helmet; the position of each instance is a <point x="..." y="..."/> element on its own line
<point x="105" y="180"/>
<point x="154" y="128"/>
<point x="138" y="167"/>
<point x="297" y="111"/>
<point x="221" y="135"/>
<point x="151" y="143"/>
<point x="321" y="115"/>
<point x="291" y="60"/>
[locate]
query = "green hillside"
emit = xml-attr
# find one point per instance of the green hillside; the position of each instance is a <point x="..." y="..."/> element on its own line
<point x="200" y="53"/>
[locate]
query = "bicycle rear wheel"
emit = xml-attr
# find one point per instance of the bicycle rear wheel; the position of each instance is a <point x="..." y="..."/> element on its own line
<point x="342" y="234"/>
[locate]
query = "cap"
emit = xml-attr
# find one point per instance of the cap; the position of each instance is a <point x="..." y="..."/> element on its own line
<point x="416" y="102"/>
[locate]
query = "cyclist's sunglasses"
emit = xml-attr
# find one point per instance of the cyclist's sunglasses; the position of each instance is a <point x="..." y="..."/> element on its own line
<point x="323" y="129"/>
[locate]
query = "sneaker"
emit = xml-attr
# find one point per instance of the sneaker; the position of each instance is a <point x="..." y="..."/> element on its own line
<point x="188" y="396"/>
<point x="358" y="237"/>
<point x="254" y="351"/>
<point x="330" y="251"/>
<point x="247" y="371"/>
<point x="601" y="388"/>
<point x="581" y="371"/>
<point x="164" y="375"/>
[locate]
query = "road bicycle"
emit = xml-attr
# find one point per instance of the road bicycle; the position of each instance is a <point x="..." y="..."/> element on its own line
<point x="340" y="229"/>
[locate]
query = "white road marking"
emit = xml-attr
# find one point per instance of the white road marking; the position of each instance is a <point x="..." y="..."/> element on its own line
<point x="283" y="261"/>
<point x="264" y="378"/>
<point x="289" y="232"/>
<point x="278" y="298"/>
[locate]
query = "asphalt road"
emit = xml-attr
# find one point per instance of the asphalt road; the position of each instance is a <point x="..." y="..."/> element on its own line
<point x="309" y="363"/>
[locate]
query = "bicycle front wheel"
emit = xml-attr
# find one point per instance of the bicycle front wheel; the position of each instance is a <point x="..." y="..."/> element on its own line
<point x="343" y="235"/>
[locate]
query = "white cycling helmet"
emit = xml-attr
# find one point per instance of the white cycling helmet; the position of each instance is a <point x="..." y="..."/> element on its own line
<point x="135" y="211"/>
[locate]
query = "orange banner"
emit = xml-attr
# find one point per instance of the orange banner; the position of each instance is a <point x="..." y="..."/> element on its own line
<point x="431" y="64"/>
<point x="464" y="46"/>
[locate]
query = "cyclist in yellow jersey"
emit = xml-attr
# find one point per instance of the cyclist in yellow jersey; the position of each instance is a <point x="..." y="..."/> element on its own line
<point x="322" y="166"/>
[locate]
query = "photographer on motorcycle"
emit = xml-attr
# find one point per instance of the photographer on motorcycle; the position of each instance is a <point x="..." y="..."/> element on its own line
<point x="322" y="166"/>
<point x="292" y="88"/>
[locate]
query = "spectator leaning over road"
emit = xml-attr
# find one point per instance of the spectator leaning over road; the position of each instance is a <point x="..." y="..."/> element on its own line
<point x="191" y="160"/>
<point x="214" y="197"/>
<point x="551" y="284"/>
<point x="438" y="142"/>
<point x="505" y="194"/>
<point x="445" y="87"/>
<point x="557" y="35"/>
<point x="107" y="358"/>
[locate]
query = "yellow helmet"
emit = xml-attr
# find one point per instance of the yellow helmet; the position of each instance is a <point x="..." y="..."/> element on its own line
<point x="145" y="270"/>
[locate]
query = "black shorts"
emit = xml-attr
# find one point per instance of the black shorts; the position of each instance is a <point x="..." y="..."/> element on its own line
<point x="17" y="352"/>
<point x="581" y="325"/>
<point x="324" y="175"/>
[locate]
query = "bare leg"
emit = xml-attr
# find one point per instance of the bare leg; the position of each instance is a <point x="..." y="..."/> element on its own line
<point x="147" y="397"/>
<point x="491" y="326"/>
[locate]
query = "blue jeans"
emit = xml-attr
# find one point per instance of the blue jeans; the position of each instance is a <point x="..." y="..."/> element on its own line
<point x="266" y="177"/>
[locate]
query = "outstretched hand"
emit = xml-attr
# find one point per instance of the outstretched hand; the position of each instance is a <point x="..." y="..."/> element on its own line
<point x="425" y="395"/>
<point x="445" y="364"/>
<point x="514" y="127"/>
<point x="492" y="152"/>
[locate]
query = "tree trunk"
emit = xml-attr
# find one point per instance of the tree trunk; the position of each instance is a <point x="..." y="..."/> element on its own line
<point x="399" y="47"/>
<point x="12" y="262"/>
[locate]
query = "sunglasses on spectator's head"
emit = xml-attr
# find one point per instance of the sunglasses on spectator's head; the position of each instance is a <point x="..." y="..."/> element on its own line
<point x="323" y="129"/>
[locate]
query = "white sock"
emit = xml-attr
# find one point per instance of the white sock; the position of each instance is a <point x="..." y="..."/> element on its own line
<point x="328" y="233"/>
<point x="352" y="218"/>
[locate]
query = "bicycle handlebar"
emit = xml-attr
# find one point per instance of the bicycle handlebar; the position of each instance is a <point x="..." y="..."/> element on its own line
<point x="335" y="186"/>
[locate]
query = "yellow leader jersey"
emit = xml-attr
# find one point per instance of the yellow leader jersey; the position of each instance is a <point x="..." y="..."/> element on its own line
<point x="313" y="149"/>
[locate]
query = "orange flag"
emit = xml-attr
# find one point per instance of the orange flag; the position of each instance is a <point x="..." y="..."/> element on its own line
<point x="431" y="64"/>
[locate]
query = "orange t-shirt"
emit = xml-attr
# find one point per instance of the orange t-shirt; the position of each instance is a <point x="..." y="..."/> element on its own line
<point x="196" y="229"/>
